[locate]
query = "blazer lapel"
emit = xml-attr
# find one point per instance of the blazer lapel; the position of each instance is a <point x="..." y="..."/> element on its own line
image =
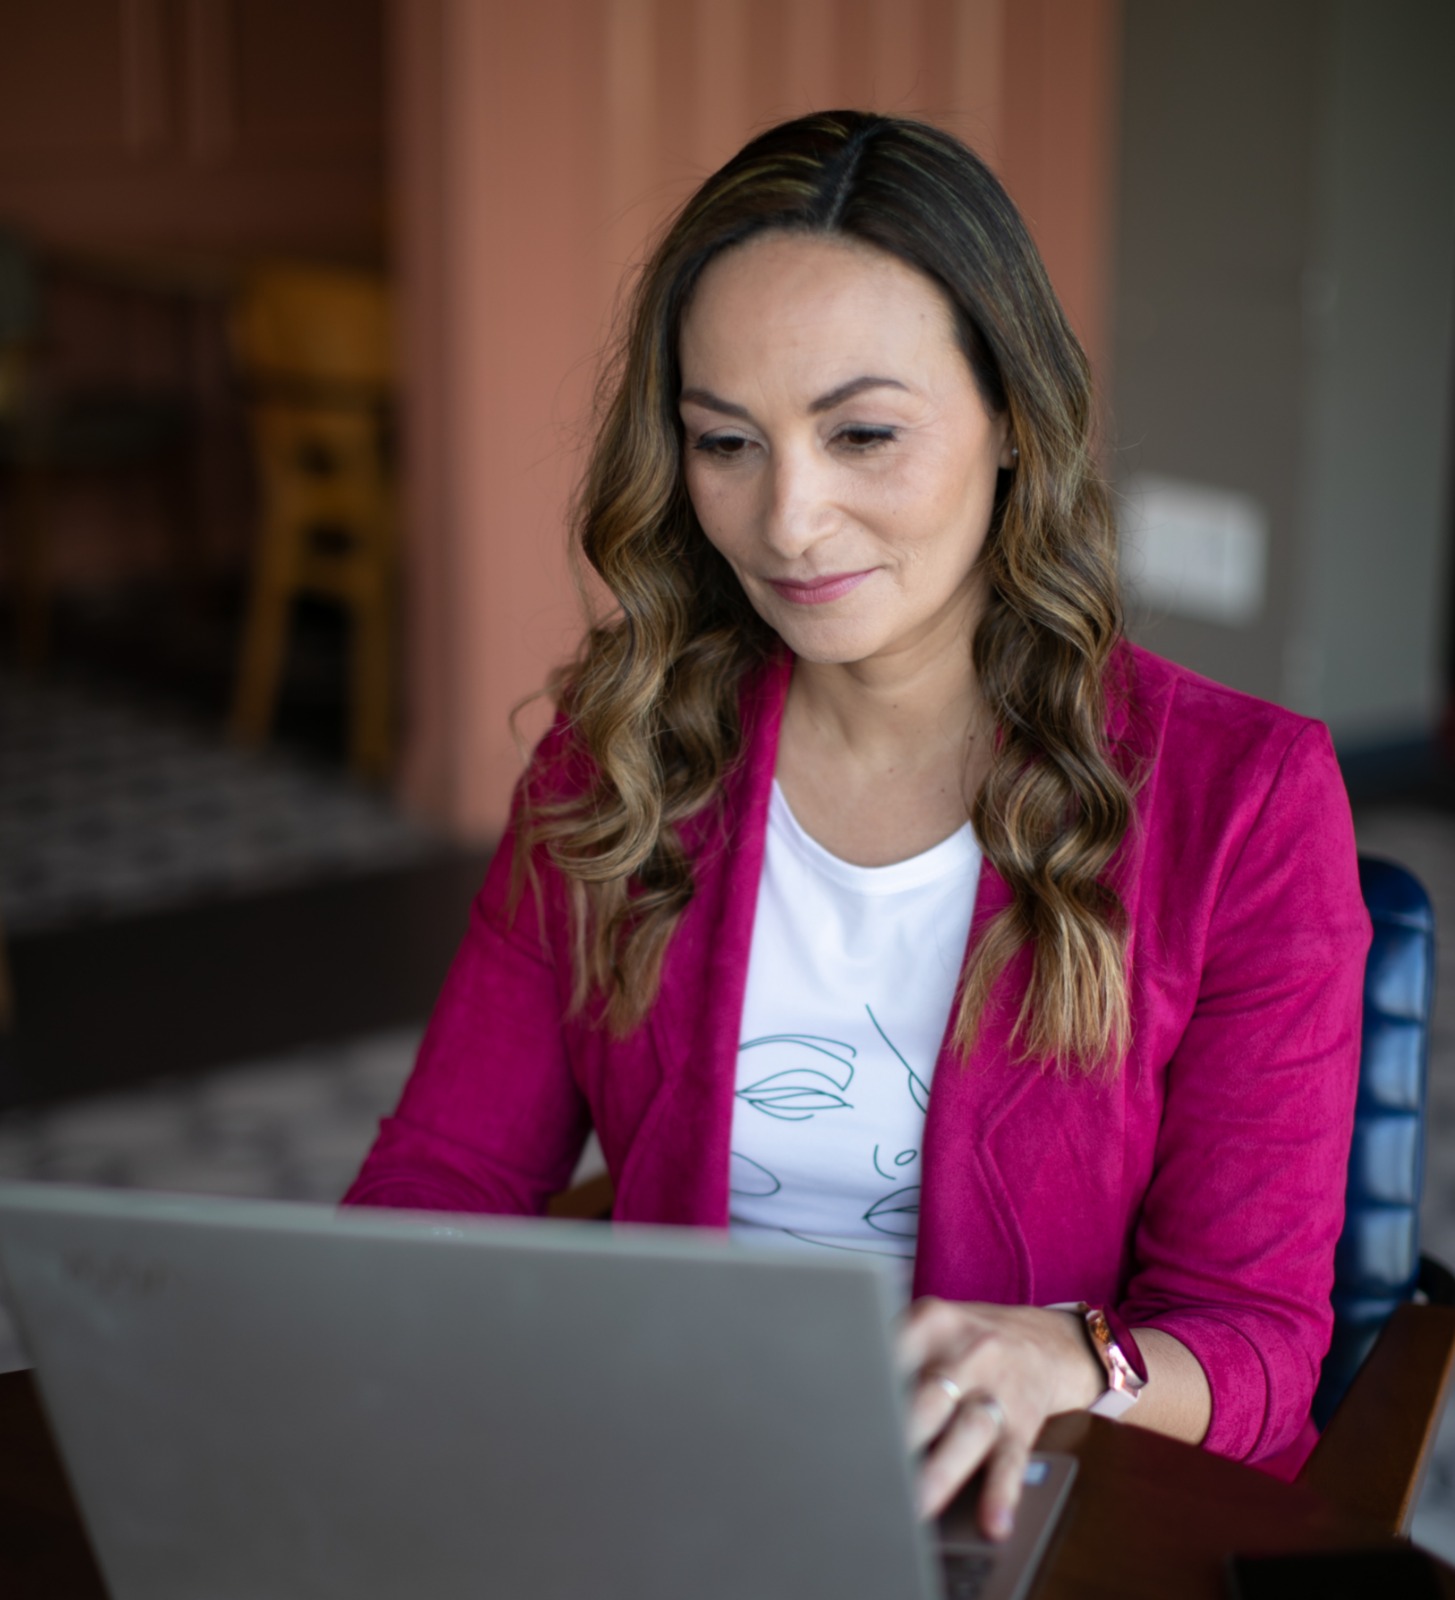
<point x="678" y="1171"/>
<point x="977" y="1216"/>
<point x="968" y="1232"/>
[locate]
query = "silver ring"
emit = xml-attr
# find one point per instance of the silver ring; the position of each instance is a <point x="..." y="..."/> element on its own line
<point x="951" y="1388"/>
<point x="983" y="1400"/>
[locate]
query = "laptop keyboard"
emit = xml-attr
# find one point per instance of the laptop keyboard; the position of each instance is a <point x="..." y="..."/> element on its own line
<point x="966" y="1572"/>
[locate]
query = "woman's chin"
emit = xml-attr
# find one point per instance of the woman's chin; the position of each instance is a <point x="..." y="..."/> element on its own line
<point x="847" y="634"/>
<point x="826" y="646"/>
<point x="852" y="641"/>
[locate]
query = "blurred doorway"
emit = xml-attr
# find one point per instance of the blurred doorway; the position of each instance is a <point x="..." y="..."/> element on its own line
<point x="152" y="154"/>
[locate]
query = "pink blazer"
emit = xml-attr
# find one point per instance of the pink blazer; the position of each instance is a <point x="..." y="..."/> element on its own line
<point x="1200" y="1189"/>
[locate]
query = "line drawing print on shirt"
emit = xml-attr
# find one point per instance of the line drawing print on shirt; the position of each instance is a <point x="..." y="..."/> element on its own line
<point x="919" y="1090"/>
<point x="799" y="1093"/>
<point x="858" y="1247"/>
<point x="749" y="1177"/>
<point x="896" y="1213"/>
<point x="903" y="1159"/>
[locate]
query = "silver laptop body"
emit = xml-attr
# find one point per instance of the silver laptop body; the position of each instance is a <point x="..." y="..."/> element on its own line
<point x="257" y="1399"/>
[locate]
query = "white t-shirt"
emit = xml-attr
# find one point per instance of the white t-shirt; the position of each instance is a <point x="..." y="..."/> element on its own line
<point x="850" y="981"/>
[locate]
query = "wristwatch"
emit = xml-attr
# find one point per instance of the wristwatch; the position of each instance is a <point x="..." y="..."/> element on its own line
<point x="1116" y="1350"/>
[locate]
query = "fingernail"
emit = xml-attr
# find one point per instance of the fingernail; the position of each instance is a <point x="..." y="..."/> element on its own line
<point x="1000" y="1523"/>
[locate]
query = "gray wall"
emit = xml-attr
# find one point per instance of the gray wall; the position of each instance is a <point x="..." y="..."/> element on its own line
<point x="1286" y="261"/>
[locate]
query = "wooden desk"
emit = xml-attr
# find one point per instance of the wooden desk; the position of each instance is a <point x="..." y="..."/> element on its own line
<point x="44" y="1553"/>
<point x="1150" y="1519"/>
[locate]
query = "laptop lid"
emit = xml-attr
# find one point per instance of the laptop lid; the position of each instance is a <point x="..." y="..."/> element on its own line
<point x="256" y="1398"/>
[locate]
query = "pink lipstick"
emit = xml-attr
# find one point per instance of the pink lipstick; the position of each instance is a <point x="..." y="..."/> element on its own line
<point x="820" y="591"/>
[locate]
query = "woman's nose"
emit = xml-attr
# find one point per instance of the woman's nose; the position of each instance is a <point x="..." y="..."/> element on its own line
<point x="798" y="510"/>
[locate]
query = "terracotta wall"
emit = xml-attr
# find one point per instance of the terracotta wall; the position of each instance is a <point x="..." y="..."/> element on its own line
<point x="210" y="124"/>
<point x="536" y="148"/>
<point x="149" y="149"/>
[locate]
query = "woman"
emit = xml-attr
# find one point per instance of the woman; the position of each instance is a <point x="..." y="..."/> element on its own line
<point x="864" y="843"/>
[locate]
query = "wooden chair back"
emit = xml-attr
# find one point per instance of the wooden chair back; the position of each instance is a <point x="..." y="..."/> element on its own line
<point x="322" y="332"/>
<point x="314" y="345"/>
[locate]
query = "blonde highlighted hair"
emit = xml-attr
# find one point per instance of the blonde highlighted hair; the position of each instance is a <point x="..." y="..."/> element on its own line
<point x="653" y="696"/>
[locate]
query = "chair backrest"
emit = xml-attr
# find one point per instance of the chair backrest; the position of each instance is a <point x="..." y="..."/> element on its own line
<point x="1377" y="1262"/>
<point x="324" y="332"/>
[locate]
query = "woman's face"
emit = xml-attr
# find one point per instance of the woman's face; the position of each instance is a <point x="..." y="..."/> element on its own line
<point x="838" y="452"/>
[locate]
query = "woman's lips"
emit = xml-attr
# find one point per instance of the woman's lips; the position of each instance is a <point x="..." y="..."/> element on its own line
<point x="819" y="591"/>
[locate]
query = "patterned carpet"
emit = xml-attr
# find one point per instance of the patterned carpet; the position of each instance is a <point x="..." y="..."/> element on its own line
<point x="292" y="1128"/>
<point x="107" y="807"/>
<point x="110" y="806"/>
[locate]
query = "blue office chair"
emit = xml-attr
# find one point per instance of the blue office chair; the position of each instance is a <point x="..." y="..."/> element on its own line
<point x="1377" y="1265"/>
<point x="1388" y="1368"/>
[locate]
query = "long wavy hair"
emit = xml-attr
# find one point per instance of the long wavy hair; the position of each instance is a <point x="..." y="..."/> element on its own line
<point x="652" y="699"/>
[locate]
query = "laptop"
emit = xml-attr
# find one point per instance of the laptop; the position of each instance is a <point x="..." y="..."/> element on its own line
<point x="262" y="1399"/>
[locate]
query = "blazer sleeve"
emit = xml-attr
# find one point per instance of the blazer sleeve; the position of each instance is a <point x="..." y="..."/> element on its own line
<point x="491" y="1119"/>
<point x="1235" y="1242"/>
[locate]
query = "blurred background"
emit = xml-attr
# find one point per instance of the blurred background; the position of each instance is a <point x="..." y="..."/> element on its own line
<point x="301" y="306"/>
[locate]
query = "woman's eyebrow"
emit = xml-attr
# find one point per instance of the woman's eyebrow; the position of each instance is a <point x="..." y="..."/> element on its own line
<point x="711" y="402"/>
<point x="825" y="402"/>
<point x="847" y="391"/>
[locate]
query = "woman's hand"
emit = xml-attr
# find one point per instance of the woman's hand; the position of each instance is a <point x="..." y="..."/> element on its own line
<point x="985" y="1377"/>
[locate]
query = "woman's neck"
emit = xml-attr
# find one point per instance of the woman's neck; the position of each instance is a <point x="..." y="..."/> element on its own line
<point x="887" y="715"/>
<point x="877" y="760"/>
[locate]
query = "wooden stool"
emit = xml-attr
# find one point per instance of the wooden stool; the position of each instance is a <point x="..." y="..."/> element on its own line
<point x="316" y="347"/>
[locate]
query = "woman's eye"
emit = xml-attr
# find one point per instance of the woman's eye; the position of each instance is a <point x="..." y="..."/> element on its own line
<point x="721" y="444"/>
<point x="861" y="439"/>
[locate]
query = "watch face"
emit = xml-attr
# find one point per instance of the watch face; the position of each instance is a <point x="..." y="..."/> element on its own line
<point x="1120" y="1336"/>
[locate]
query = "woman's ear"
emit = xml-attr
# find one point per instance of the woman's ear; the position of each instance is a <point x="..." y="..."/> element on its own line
<point x="1009" y="450"/>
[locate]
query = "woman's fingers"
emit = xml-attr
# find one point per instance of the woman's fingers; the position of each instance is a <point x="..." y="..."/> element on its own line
<point x="931" y="1331"/>
<point x="936" y="1399"/>
<point x="1000" y="1494"/>
<point x="975" y="1429"/>
<point x="937" y="1346"/>
<point x="985" y="1378"/>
